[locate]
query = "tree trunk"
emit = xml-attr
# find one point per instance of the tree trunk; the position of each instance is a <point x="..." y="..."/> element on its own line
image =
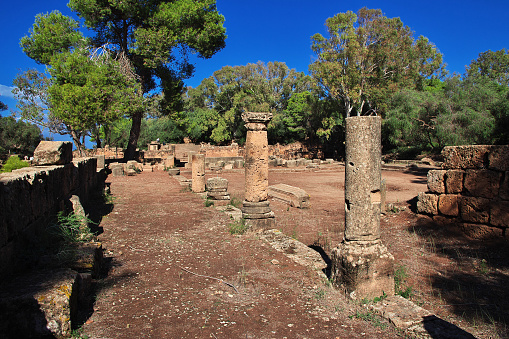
<point x="130" y="152"/>
<point x="76" y="139"/>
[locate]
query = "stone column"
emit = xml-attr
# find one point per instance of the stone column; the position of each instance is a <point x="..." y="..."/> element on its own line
<point x="198" y="173"/>
<point x="256" y="210"/>
<point x="361" y="263"/>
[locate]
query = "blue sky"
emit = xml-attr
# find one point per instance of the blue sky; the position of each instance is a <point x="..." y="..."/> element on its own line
<point x="280" y="30"/>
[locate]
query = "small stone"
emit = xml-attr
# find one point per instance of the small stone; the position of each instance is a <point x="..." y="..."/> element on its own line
<point x="275" y="262"/>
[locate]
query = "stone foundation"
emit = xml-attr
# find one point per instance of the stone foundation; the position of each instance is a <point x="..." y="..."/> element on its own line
<point x="364" y="268"/>
<point x="471" y="191"/>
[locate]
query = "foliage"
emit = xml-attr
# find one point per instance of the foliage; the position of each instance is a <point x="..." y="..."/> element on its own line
<point x="455" y="112"/>
<point x="213" y="109"/>
<point x="88" y="87"/>
<point x="156" y="36"/>
<point x="3" y="106"/>
<point x="73" y="228"/>
<point x="18" y="136"/>
<point x="400" y="277"/>
<point x="13" y="163"/>
<point x="368" y="57"/>
<point x="492" y="65"/>
<point x="238" y="227"/>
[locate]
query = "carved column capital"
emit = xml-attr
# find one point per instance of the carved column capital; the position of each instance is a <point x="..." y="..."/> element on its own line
<point x="256" y="121"/>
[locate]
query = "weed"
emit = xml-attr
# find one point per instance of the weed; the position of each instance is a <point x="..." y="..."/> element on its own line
<point x="243" y="274"/>
<point x="238" y="227"/>
<point x="400" y="276"/>
<point x="320" y="294"/>
<point x="107" y="197"/>
<point x="78" y="334"/>
<point x="369" y="316"/>
<point x="209" y="202"/>
<point x="236" y="202"/>
<point x="482" y="267"/>
<point x="73" y="228"/>
<point x="186" y="188"/>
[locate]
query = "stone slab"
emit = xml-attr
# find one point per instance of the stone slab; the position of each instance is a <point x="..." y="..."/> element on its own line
<point x="294" y="196"/>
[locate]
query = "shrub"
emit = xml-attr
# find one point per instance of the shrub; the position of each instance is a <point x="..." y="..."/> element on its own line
<point x="13" y="163"/>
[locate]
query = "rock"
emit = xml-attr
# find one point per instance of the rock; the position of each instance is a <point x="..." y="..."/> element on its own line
<point x="53" y="153"/>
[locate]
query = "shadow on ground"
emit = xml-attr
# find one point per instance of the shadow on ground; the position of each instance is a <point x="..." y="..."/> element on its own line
<point x="476" y="289"/>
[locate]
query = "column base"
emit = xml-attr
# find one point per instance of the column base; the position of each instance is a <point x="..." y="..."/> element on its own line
<point x="258" y="215"/>
<point x="364" y="268"/>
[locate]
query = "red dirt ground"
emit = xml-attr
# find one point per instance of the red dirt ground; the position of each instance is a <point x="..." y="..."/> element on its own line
<point x="159" y="232"/>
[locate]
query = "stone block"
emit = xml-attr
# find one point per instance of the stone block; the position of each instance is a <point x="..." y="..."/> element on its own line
<point x="498" y="158"/>
<point x="174" y="171"/>
<point x="272" y="162"/>
<point x="228" y="166"/>
<point x="448" y="205"/>
<point x="198" y="173"/>
<point x="504" y="187"/>
<point x="317" y="161"/>
<point x="463" y="157"/>
<point x="436" y="181"/>
<point x="238" y="164"/>
<point x="454" y="181"/>
<point x="479" y="231"/>
<point x="482" y="183"/>
<point x="427" y="203"/>
<point x="117" y="169"/>
<point x="499" y="213"/>
<point x="217" y="183"/>
<point x="169" y="162"/>
<point x="301" y="162"/>
<point x="364" y="268"/>
<point x="475" y="210"/>
<point x="291" y="163"/>
<point x="294" y="196"/>
<point x="53" y="153"/>
<point x="101" y="162"/>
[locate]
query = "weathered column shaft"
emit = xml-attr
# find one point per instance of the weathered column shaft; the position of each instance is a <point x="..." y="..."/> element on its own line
<point x="363" y="178"/>
<point x="257" y="166"/>
<point x="256" y="208"/>
<point x="361" y="263"/>
<point x="198" y="173"/>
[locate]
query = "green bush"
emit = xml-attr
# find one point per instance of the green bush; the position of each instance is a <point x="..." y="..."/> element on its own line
<point x="13" y="163"/>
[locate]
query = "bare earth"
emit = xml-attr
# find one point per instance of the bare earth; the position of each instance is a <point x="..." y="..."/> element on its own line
<point x="159" y="236"/>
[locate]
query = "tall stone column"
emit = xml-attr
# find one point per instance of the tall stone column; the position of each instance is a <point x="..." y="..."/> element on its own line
<point x="255" y="209"/>
<point x="361" y="263"/>
<point x="198" y="173"/>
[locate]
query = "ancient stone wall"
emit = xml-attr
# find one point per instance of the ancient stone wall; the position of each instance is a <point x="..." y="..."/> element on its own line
<point x="471" y="191"/>
<point x="30" y="196"/>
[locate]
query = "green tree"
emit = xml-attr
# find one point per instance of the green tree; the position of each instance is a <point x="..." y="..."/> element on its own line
<point x="492" y="65"/>
<point x="368" y="57"/>
<point x="18" y="136"/>
<point x="3" y="106"/>
<point x="88" y="88"/>
<point x="156" y="36"/>
<point x="219" y="100"/>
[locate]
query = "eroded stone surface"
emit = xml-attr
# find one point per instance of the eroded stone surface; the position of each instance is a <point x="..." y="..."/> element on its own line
<point x="448" y="204"/>
<point x="364" y="268"/>
<point x="53" y="153"/>
<point x="436" y="181"/>
<point x="198" y="173"/>
<point x="463" y="157"/>
<point x="475" y="210"/>
<point x="294" y="196"/>
<point x="454" y="181"/>
<point x="427" y="203"/>
<point x="482" y="183"/>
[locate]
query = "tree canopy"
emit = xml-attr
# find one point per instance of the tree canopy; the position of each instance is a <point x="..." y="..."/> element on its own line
<point x="367" y="57"/>
<point x="87" y="87"/>
<point x="18" y="136"/>
<point x="157" y="36"/>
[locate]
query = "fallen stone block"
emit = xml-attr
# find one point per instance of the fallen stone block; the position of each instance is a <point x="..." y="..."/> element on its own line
<point x="53" y="153"/>
<point x="294" y="196"/>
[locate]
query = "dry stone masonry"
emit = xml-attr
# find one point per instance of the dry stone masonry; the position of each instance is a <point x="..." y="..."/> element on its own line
<point x="217" y="190"/>
<point x="256" y="210"/>
<point x="471" y="191"/>
<point x="361" y="263"/>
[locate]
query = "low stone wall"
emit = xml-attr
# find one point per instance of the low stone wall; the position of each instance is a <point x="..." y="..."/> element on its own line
<point x="471" y="191"/>
<point x="30" y="197"/>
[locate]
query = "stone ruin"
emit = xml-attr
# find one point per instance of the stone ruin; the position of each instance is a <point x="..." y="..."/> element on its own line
<point x="471" y="191"/>
<point x="361" y="263"/>
<point x="217" y="190"/>
<point x="38" y="298"/>
<point x="255" y="208"/>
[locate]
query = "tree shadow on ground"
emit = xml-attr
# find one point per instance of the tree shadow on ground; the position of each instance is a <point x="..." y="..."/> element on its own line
<point x="476" y="287"/>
